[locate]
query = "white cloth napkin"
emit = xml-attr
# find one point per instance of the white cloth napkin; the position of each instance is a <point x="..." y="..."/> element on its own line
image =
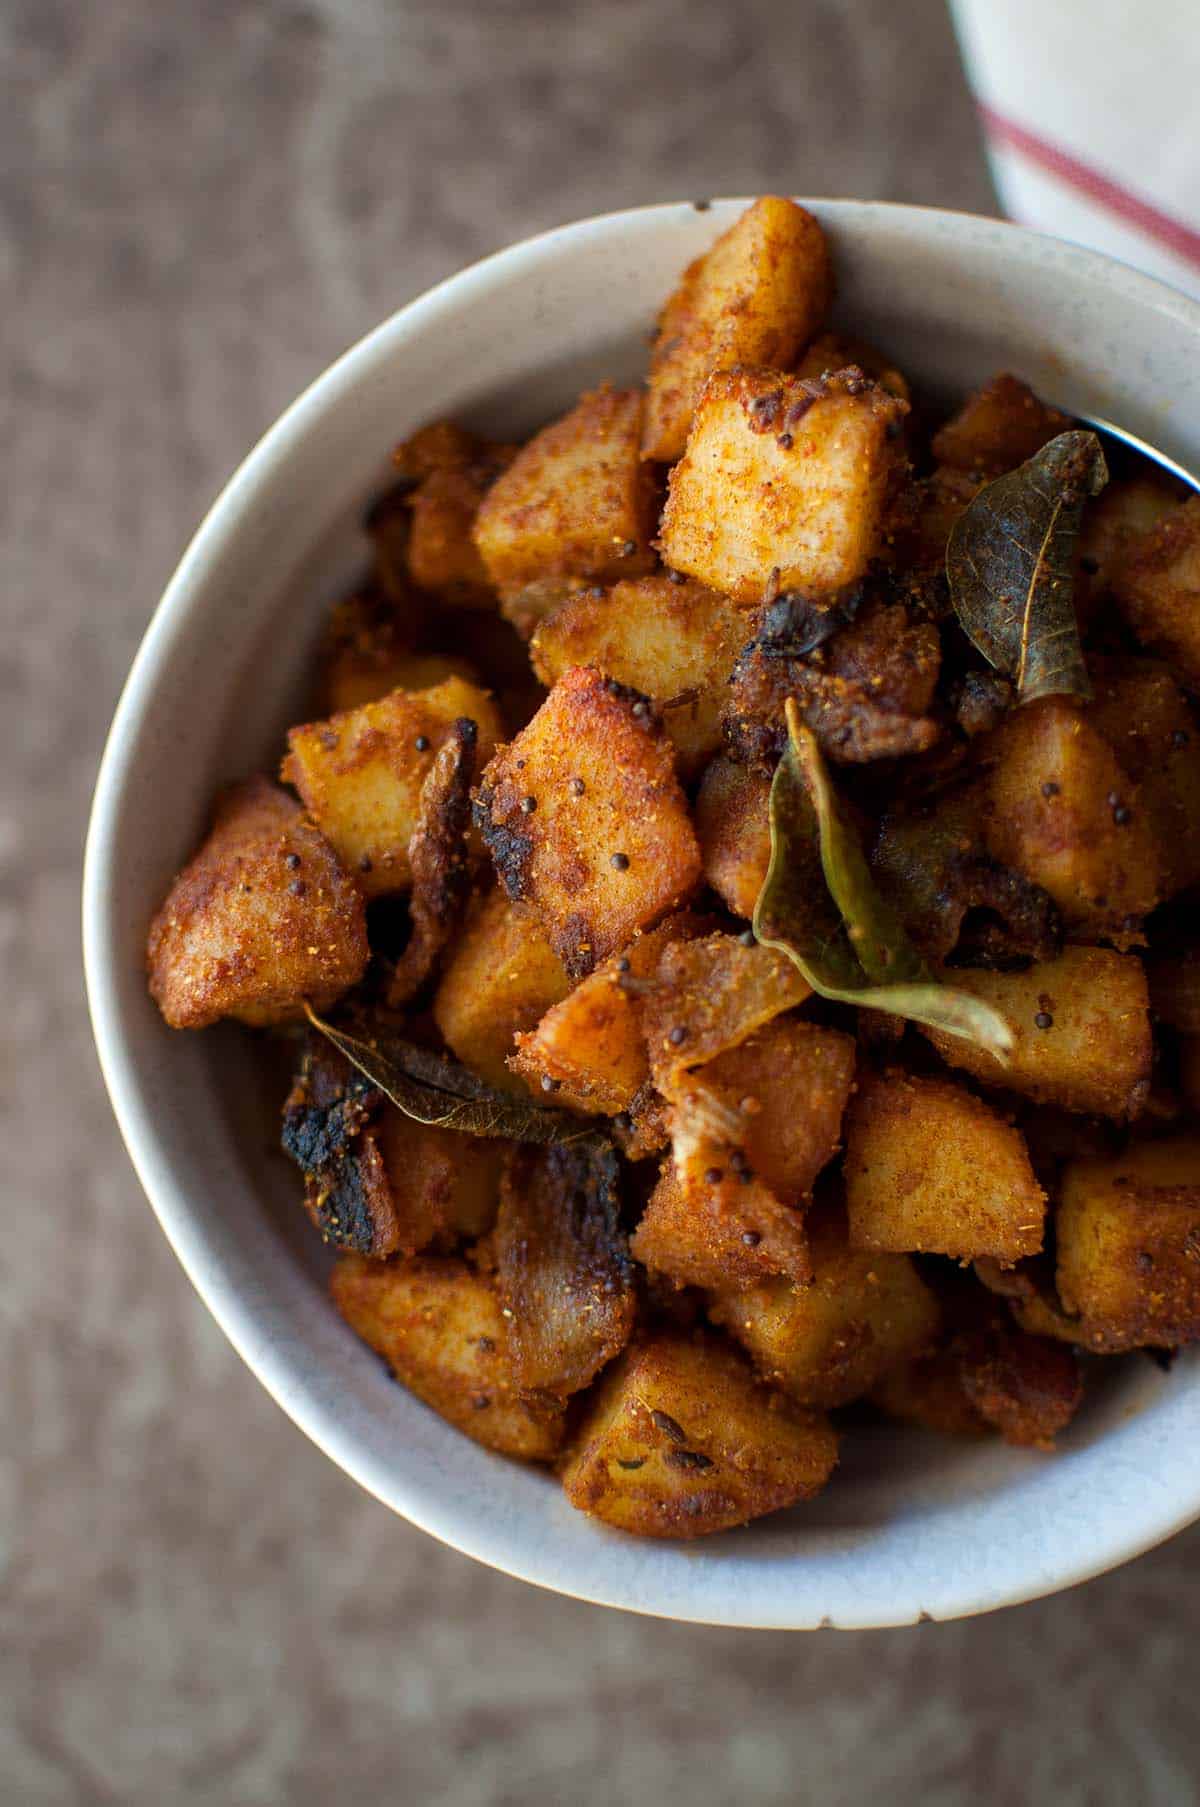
<point x="1092" y="115"/>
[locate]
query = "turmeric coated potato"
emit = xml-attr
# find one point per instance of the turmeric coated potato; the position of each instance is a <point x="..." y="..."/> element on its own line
<point x="710" y="994"/>
<point x="1144" y="716"/>
<point x="719" y="1230"/>
<point x="734" y="834"/>
<point x="997" y="428"/>
<point x="263" y="916"/>
<point x="501" y="977"/>
<point x="1157" y="586"/>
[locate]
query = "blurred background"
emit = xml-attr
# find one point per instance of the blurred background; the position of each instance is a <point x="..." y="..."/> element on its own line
<point x="200" y="206"/>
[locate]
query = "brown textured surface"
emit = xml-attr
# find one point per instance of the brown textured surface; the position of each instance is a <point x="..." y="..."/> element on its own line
<point x="199" y="206"/>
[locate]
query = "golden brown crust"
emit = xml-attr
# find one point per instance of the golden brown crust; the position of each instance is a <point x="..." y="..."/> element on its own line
<point x="727" y="1233"/>
<point x="1157" y="586"/>
<point x="501" y="977"/>
<point x="997" y="428"/>
<point x="734" y="833"/>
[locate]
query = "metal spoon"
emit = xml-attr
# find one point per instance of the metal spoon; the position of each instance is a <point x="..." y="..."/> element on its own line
<point x="1112" y="431"/>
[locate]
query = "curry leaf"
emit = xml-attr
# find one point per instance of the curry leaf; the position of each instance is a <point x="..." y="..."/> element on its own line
<point x="1010" y="566"/>
<point x="433" y="1090"/>
<point x="819" y="905"/>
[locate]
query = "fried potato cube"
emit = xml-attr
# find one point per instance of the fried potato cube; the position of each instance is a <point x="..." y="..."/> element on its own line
<point x="442" y="555"/>
<point x="832" y="1341"/>
<point x="928" y="1392"/>
<point x="360" y="774"/>
<point x="833" y="351"/>
<point x="1129" y="1246"/>
<point x="585" y="819"/>
<point x="709" y="995"/>
<point x="500" y="976"/>
<point x="720" y="1233"/>
<point x="1000" y="1379"/>
<point x="681" y="1440"/>
<point x="1061" y="810"/>
<point x="261" y="917"/>
<point x="782" y="474"/>
<point x="563" y="1271"/>
<point x="756" y="297"/>
<point x="439" y="1326"/>
<point x="1112" y="521"/>
<point x="674" y="642"/>
<point x="997" y="428"/>
<point x="1144" y="716"/>
<point x="772" y="1106"/>
<point x="933" y="504"/>
<point x="1081" y="1027"/>
<point x="734" y="833"/>
<point x="575" y="503"/>
<point x="1157" y="587"/>
<point x="930" y="1169"/>
<point x="591" y="1047"/>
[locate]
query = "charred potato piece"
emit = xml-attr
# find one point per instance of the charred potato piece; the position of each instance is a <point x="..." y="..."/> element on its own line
<point x="439" y="1326"/>
<point x="755" y="298"/>
<point x="576" y="503"/>
<point x="673" y="642"/>
<point x="562" y="1266"/>
<point x="586" y="822"/>
<point x="832" y="1341"/>
<point x="998" y="428"/>
<point x="1062" y="811"/>
<point x="681" y="1440"/>
<point x="709" y="995"/>
<point x="720" y="1231"/>
<point x="1129" y="1246"/>
<point x="930" y="1169"/>
<point x="361" y="774"/>
<point x="782" y="475"/>
<point x="261" y="917"/>
<point x="1082" y="1031"/>
<point x="735" y="833"/>
<point x="1157" y="587"/>
<point x="1144" y="716"/>
<point x="501" y="976"/>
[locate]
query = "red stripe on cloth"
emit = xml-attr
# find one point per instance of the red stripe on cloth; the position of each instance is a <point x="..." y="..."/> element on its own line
<point x="1173" y="233"/>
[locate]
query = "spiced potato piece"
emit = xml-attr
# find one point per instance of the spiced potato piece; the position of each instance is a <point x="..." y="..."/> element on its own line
<point x="1081" y="1028"/>
<point x="998" y="428"/>
<point x="563" y="1271"/>
<point x="1061" y="810"/>
<point x="1144" y="716"/>
<point x="674" y="642"/>
<point x="1124" y="510"/>
<point x="711" y="993"/>
<point x="575" y="505"/>
<point x="500" y="977"/>
<point x="756" y="297"/>
<point x="833" y="351"/>
<point x="680" y="1440"/>
<point x="439" y="1326"/>
<point x="720" y="1231"/>
<point x="262" y="916"/>
<point x="930" y="1169"/>
<point x="1157" y="587"/>
<point x="782" y="474"/>
<point x="831" y="1341"/>
<point x="1129" y="1246"/>
<point x="443" y="558"/>
<point x="1028" y="1388"/>
<point x="586" y="821"/>
<point x="360" y="774"/>
<point x="734" y="832"/>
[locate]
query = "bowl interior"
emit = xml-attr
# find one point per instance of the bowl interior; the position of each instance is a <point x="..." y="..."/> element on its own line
<point x="913" y="1524"/>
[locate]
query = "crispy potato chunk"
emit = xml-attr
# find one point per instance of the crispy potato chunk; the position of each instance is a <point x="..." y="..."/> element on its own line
<point x="1142" y="713"/>
<point x="710" y="995"/>
<point x="562" y="1266"/>
<point x="832" y="1341"/>
<point x="734" y="833"/>
<point x="575" y="503"/>
<point x="261" y="917"/>
<point x="591" y="1047"/>
<point x="782" y="474"/>
<point x="930" y="1169"/>
<point x="720" y="1233"/>
<point x="755" y="298"/>
<point x="997" y="428"/>
<point x="360" y="774"/>
<point x="439" y="1327"/>
<point x="586" y="821"/>
<point x="673" y="642"/>
<point x="1112" y="521"/>
<point x="500" y="977"/>
<point x="1082" y="1031"/>
<point x="681" y="1440"/>
<point x="998" y="1379"/>
<point x="771" y="1106"/>
<point x="1157" y="587"/>
<point x="1129" y="1246"/>
<point x="832" y="351"/>
<point x="928" y="1392"/>
<point x="1061" y="810"/>
<point x="442" y="555"/>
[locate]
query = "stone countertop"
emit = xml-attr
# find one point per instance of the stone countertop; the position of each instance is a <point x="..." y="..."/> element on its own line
<point x="199" y="207"/>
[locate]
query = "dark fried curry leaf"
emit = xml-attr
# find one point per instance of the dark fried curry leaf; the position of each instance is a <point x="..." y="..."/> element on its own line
<point x="1010" y="566"/>
<point x="820" y="906"/>
<point x="446" y="1096"/>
